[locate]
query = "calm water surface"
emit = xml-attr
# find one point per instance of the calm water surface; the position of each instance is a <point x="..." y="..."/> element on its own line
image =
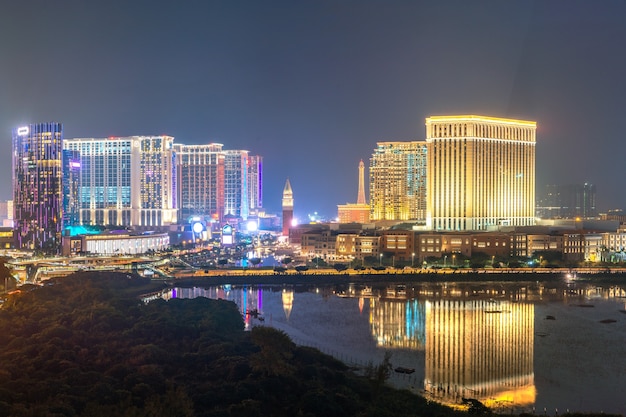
<point x="542" y="348"/>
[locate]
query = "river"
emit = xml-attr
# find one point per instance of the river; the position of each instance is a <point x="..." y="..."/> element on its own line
<point x="543" y="348"/>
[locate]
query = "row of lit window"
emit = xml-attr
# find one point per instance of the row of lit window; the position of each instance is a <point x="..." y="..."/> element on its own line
<point x="482" y="130"/>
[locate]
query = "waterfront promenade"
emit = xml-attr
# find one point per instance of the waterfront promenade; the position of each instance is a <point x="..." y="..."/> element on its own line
<point x="329" y="275"/>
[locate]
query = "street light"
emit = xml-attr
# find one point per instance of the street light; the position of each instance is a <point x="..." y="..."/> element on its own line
<point x="380" y="263"/>
<point x="412" y="259"/>
<point x="493" y="258"/>
<point x="453" y="260"/>
<point x="445" y="259"/>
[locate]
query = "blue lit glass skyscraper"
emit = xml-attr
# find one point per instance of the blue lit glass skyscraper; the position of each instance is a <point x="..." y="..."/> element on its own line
<point x="71" y="182"/>
<point x="37" y="188"/>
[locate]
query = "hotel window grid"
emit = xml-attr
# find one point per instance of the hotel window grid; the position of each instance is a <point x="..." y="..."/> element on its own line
<point x="126" y="181"/>
<point x="201" y="180"/>
<point x="398" y="181"/>
<point x="481" y="172"/>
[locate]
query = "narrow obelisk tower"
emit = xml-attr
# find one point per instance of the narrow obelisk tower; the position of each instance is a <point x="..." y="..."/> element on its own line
<point x="287" y="208"/>
<point x="361" y="197"/>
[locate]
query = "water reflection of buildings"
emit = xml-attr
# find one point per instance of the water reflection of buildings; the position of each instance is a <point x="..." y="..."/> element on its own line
<point x="287" y="299"/>
<point x="477" y="338"/>
<point x="474" y="347"/>
<point x="246" y="299"/>
<point x="480" y="349"/>
<point x="398" y="323"/>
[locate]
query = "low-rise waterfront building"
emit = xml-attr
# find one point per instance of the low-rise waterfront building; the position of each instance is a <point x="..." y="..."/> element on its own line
<point x="399" y="244"/>
<point x="491" y="244"/>
<point x="6" y="238"/>
<point x="367" y="246"/>
<point x="115" y="243"/>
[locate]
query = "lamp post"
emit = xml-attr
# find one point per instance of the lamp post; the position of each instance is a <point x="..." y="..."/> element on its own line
<point x="380" y="263"/>
<point x="493" y="258"/>
<point x="412" y="259"/>
<point x="453" y="260"/>
<point x="445" y="259"/>
<point x="393" y="261"/>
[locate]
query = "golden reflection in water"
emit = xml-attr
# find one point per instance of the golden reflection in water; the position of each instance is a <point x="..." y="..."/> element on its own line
<point x="480" y="349"/>
<point x="287" y="298"/>
<point x="361" y="304"/>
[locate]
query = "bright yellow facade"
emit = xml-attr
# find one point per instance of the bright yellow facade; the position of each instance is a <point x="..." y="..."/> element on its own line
<point x="481" y="172"/>
<point x="398" y="181"/>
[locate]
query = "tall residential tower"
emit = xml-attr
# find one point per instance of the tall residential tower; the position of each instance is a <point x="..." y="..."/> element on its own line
<point x="481" y="172"/>
<point x="398" y="181"/>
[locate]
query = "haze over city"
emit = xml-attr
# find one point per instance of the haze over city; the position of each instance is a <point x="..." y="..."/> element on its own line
<point x="312" y="86"/>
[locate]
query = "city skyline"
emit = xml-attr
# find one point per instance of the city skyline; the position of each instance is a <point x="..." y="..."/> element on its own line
<point x="314" y="87"/>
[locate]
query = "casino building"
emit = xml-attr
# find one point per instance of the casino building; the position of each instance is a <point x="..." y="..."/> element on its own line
<point x="126" y="181"/>
<point x="481" y="172"/>
<point x="37" y="186"/>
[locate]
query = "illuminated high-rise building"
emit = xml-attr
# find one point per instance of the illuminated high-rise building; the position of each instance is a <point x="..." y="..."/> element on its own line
<point x="481" y="172"/>
<point x="398" y="181"/>
<point x="200" y="180"/>
<point x="213" y="182"/>
<point x="236" y="199"/>
<point x="71" y="182"/>
<point x="126" y="181"/>
<point x="37" y="188"/>
<point x="287" y="208"/>
<point x="255" y="182"/>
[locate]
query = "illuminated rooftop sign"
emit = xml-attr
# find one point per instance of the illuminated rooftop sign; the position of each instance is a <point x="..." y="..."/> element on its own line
<point x="22" y="131"/>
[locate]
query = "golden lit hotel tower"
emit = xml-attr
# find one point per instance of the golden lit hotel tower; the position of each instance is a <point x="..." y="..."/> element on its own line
<point x="398" y="181"/>
<point x="287" y="208"/>
<point x="481" y="172"/>
<point x="359" y="212"/>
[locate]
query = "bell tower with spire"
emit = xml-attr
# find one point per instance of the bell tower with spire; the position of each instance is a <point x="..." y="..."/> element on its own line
<point x="287" y="208"/>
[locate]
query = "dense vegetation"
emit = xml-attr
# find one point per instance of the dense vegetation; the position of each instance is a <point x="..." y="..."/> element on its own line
<point x="87" y="346"/>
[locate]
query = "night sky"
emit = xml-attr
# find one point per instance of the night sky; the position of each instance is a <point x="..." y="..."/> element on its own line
<point x="313" y="85"/>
